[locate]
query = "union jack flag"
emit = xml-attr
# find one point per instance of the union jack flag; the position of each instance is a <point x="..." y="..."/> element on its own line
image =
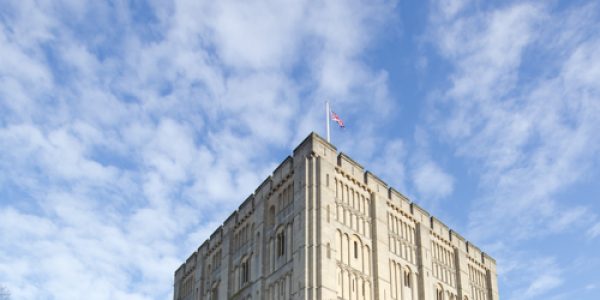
<point x="336" y="118"/>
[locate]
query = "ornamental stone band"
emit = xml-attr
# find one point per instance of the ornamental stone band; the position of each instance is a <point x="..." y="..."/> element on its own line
<point x="321" y="227"/>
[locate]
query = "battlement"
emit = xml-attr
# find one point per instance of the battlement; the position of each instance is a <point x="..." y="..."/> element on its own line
<point x="399" y="199"/>
<point x="315" y="146"/>
<point x="374" y="184"/>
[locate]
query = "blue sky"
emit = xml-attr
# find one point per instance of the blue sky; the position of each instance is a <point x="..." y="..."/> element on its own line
<point x="130" y="130"/>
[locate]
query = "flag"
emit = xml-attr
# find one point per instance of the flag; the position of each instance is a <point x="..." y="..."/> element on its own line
<point x="336" y="118"/>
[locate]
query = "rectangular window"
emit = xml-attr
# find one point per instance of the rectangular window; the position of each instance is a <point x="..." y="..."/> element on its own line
<point x="281" y="244"/>
<point x="245" y="271"/>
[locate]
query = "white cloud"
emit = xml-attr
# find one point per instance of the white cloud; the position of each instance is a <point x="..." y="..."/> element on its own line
<point x="124" y="143"/>
<point x="541" y="285"/>
<point x="390" y="164"/>
<point x="594" y="231"/>
<point x="431" y="182"/>
<point x="518" y="109"/>
<point x="529" y="138"/>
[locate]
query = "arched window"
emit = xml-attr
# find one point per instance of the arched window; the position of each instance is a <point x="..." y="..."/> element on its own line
<point x="214" y="293"/>
<point x="407" y="282"/>
<point x="245" y="271"/>
<point x="355" y="249"/>
<point x="272" y="215"/>
<point x="281" y="243"/>
<point x="439" y="294"/>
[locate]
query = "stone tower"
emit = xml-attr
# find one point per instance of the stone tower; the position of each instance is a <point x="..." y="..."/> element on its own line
<point x="321" y="227"/>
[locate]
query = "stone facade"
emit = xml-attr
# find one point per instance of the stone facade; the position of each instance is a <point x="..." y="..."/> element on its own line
<point x="321" y="227"/>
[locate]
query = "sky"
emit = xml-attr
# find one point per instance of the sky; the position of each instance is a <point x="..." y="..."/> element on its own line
<point x="129" y="130"/>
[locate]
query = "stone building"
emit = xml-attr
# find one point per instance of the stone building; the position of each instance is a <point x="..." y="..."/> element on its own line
<point x="321" y="227"/>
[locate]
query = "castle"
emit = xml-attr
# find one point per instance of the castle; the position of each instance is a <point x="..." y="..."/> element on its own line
<point x="321" y="227"/>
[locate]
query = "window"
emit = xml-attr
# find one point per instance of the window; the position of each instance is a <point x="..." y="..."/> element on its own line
<point x="355" y="249"/>
<point x="281" y="243"/>
<point x="439" y="294"/>
<point x="272" y="215"/>
<point x="406" y="279"/>
<point x="245" y="271"/>
<point x="214" y="293"/>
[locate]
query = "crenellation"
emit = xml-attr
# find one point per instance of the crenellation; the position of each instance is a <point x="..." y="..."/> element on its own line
<point x="190" y="263"/>
<point x="282" y="171"/>
<point x="399" y="199"/>
<point x="456" y="240"/>
<point x="203" y="248"/>
<point x="264" y="188"/>
<point x="317" y="145"/>
<point x="474" y="253"/>
<point x="246" y="207"/>
<point x="420" y="215"/>
<point x="180" y="271"/>
<point x="231" y="221"/>
<point x="374" y="183"/>
<point x="488" y="259"/>
<point x="215" y="238"/>
<point x="456" y="236"/>
<point x="440" y="229"/>
<point x="349" y="166"/>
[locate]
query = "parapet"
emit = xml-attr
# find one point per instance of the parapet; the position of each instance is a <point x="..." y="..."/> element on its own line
<point x="231" y="221"/>
<point x="246" y="207"/>
<point x="421" y="215"/>
<point x="399" y="199"/>
<point x="475" y="253"/>
<point x="488" y="261"/>
<point x="282" y="172"/>
<point x="188" y="266"/>
<point x="314" y="143"/>
<point x="264" y="188"/>
<point x="457" y="240"/>
<point x="190" y="263"/>
<point x="349" y="166"/>
<point x="374" y="183"/>
<point x="216" y="238"/>
<point x="439" y="228"/>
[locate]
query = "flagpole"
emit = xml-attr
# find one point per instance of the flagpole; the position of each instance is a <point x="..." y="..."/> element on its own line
<point x="327" y="119"/>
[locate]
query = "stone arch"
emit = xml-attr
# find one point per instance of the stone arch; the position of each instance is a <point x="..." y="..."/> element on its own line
<point x="280" y="242"/>
<point x="346" y="247"/>
<point x="344" y="284"/>
<point x="236" y="274"/>
<point x="270" y="255"/>
<point x="288" y="240"/>
<point x="271" y="218"/>
<point x="439" y="292"/>
<point x="356" y="253"/>
<point x="339" y="244"/>
<point x="367" y="259"/>
<point x="408" y="283"/>
<point x="339" y="280"/>
<point x="346" y="217"/>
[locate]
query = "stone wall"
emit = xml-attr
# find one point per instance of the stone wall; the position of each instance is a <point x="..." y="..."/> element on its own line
<point x="321" y="227"/>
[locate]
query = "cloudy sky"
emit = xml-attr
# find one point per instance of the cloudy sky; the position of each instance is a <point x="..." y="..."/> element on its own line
<point x="130" y="130"/>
